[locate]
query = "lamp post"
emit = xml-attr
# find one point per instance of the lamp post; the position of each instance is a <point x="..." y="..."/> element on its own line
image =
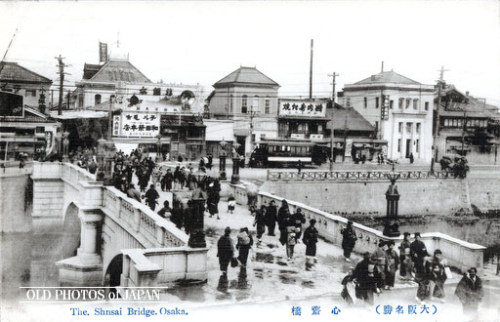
<point x="222" y="160"/>
<point x="391" y="226"/>
<point x="198" y="198"/>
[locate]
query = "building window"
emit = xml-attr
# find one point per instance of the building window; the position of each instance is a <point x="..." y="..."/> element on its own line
<point x="267" y="106"/>
<point x="400" y="127"/>
<point x="399" y="145"/>
<point x="415" y="103"/>
<point x="348" y="102"/>
<point x="244" y="101"/>
<point x="97" y="99"/>
<point x="417" y="129"/>
<point x="400" y="104"/>
<point x="409" y="127"/>
<point x="377" y="102"/>
<point x="31" y="92"/>
<point x="408" y="101"/>
<point x="255" y="104"/>
<point x="418" y="145"/>
<point x="376" y="126"/>
<point x="365" y="102"/>
<point x="391" y="104"/>
<point x="426" y="106"/>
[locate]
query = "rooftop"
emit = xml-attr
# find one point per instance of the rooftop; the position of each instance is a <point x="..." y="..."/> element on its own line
<point x="114" y="71"/>
<point x="246" y="75"/>
<point x="355" y="121"/>
<point x="13" y="72"/>
<point x="387" y="77"/>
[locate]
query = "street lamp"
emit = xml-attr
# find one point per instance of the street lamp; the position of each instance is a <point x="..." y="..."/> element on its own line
<point x="198" y="198"/>
<point x="391" y="226"/>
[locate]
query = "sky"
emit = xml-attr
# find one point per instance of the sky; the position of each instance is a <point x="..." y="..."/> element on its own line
<point x="201" y="42"/>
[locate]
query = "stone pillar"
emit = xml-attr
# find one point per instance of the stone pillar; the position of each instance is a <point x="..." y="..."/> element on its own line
<point x="85" y="269"/>
<point x="235" y="177"/>
<point x="222" y="167"/>
<point x="197" y="236"/>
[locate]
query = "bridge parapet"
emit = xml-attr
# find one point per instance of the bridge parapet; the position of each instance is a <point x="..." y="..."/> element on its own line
<point x="459" y="253"/>
<point x="351" y="176"/>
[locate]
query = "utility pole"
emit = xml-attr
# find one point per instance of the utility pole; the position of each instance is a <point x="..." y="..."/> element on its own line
<point x="437" y="121"/>
<point x="311" y="71"/>
<point x="464" y="127"/>
<point x="333" y="75"/>
<point x="61" y="66"/>
<point x="252" y="114"/>
<point x="69" y="98"/>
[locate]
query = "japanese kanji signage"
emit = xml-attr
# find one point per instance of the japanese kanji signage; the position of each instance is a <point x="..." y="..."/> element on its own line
<point x="116" y="125"/>
<point x="303" y="108"/>
<point x="139" y="124"/>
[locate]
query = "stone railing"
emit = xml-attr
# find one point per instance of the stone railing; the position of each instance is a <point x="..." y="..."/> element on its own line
<point x="163" y="266"/>
<point x="351" y="176"/>
<point x="459" y="253"/>
<point x="144" y="223"/>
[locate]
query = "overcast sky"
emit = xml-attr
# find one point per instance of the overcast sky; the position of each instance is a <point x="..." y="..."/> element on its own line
<point x="201" y="42"/>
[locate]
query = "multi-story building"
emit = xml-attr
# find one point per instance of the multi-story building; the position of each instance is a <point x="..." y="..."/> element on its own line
<point x="467" y="126"/>
<point x="250" y="99"/>
<point x="302" y="118"/>
<point x="117" y="79"/>
<point x="34" y="88"/>
<point x="401" y="110"/>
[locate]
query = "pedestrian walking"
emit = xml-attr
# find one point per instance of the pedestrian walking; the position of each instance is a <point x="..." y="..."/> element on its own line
<point x="166" y="211"/>
<point x="310" y="239"/>
<point x="411" y="158"/>
<point x="283" y="219"/>
<point x="291" y="241"/>
<point x="348" y="240"/>
<point x="271" y="217"/>
<point x="380" y="259"/>
<point x="213" y="198"/>
<point x="300" y="165"/>
<point x="392" y="265"/>
<point x="133" y="193"/>
<point x="260" y="223"/>
<point x="406" y="263"/>
<point x="435" y="268"/>
<point x="152" y="197"/>
<point x="366" y="278"/>
<point x="245" y="241"/>
<point x="297" y="219"/>
<point x="470" y="291"/>
<point x="225" y="250"/>
<point x="418" y="252"/>
<point x="166" y="181"/>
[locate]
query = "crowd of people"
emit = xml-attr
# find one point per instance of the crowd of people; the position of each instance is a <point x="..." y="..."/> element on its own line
<point x="376" y="272"/>
<point x="290" y="227"/>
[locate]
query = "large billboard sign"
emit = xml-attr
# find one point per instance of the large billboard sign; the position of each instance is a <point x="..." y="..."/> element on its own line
<point x="137" y="125"/>
<point x="302" y="108"/>
<point x="11" y="105"/>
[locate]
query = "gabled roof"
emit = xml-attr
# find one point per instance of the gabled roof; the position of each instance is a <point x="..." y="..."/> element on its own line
<point x="246" y="75"/>
<point x="13" y="72"/>
<point x="355" y="121"/>
<point x="387" y="77"/>
<point x="117" y="71"/>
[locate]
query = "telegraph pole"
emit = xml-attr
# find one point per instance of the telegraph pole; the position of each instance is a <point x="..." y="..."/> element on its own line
<point x="333" y="109"/>
<point x="437" y="121"/>
<point x="60" y="65"/>
<point x="311" y="71"/>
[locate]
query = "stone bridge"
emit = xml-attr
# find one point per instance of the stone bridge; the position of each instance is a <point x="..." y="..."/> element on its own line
<point x="120" y="241"/>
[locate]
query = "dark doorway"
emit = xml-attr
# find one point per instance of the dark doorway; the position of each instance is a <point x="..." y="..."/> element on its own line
<point x="114" y="270"/>
<point x="408" y="147"/>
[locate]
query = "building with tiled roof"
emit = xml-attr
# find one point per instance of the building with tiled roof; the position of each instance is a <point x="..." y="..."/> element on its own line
<point x="246" y="96"/>
<point x="401" y="110"/>
<point x="467" y="126"/>
<point x="19" y="80"/>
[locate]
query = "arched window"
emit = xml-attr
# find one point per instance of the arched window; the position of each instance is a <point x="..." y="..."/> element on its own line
<point x="97" y="99"/>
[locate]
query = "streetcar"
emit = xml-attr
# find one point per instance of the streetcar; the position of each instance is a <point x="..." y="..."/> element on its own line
<point x="286" y="153"/>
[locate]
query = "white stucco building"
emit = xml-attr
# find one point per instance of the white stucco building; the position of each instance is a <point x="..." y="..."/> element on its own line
<point x="401" y="110"/>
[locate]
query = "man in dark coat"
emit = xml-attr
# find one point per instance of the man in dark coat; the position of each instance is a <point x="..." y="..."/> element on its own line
<point x="166" y="181"/>
<point x="406" y="266"/>
<point x="152" y="197"/>
<point x="297" y="219"/>
<point x="260" y="222"/>
<point x="418" y="252"/>
<point x="470" y="291"/>
<point x="348" y="240"/>
<point x="366" y="278"/>
<point x="271" y="218"/>
<point x="310" y="239"/>
<point x="283" y="221"/>
<point x="225" y="250"/>
<point x="213" y="198"/>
